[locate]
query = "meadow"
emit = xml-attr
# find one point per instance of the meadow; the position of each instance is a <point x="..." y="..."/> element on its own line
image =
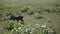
<point x="38" y="19"/>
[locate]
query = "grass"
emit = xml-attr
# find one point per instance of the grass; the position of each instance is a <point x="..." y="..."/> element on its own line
<point x="51" y="14"/>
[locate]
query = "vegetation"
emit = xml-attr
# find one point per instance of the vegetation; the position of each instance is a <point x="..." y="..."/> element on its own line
<point x="38" y="29"/>
<point x="33" y="15"/>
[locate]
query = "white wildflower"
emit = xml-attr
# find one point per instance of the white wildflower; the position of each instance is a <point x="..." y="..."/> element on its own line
<point x="19" y="28"/>
<point x="16" y="30"/>
<point x="33" y="29"/>
<point x="43" y="26"/>
<point x="31" y="32"/>
<point x="12" y="30"/>
<point x="52" y="31"/>
<point x="26" y="30"/>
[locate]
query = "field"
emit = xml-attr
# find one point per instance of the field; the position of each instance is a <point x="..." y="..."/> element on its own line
<point x="48" y="15"/>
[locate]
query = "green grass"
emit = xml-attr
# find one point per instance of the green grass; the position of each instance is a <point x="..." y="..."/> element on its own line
<point x="51" y="14"/>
